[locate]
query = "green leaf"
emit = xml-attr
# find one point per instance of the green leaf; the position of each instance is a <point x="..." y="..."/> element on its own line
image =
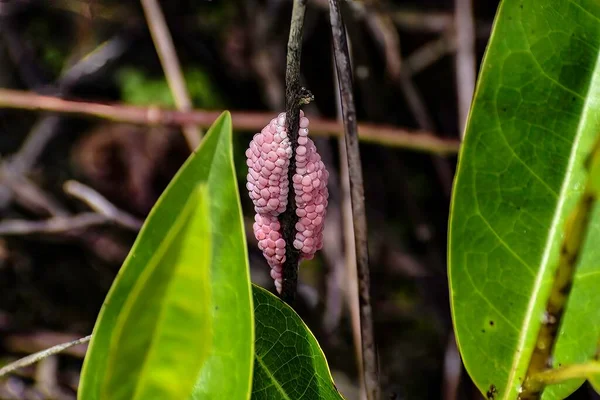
<point x="288" y="362"/>
<point x="156" y="352"/>
<point x="595" y="382"/>
<point x="130" y="343"/>
<point x="534" y="119"/>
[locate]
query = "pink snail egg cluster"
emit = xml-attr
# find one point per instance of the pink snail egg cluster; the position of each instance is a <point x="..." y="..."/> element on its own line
<point x="268" y="160"/>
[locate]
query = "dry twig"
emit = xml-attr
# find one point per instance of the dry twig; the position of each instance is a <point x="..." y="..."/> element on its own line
<point x="342" y="61"/>
<point x="101" y="205"/>
<point x="170" y="63"/>
<point x="61" y="222"/>
<point x="33" y="358"/>
<point x="351" y="281"/>
<point x="58" y="224"/>
<point x="421" y="141"/>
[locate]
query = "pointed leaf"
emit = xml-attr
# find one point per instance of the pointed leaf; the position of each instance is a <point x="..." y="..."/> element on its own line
<point x="226" y="335"/>
<point x="535" y="116"/>
<point x="288" y="364"/>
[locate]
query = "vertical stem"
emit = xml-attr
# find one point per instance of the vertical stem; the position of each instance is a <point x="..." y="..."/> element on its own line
<point x="292" y="117"/>
<point x="349" y="247"/>
<point x="465" y="59"/>
<point x="342" y="61"/>
<point x="170" y="64"/>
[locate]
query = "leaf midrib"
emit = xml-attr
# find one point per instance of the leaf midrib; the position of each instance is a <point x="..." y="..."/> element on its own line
<point x="268" y="372"/>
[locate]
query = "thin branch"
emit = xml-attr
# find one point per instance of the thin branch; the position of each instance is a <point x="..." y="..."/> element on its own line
<point x="101" y="205"/>
<point x="465" y="59"/>
<point x="170" y="63"/>
<point x="417" y="105"/>
<point x="47" y="128"/>
<point x="33" y="358"/>
<point x="292" y="115"/>
<point x="384" y="31"/>
<point x="416" y="140"/>
<point x="424" y="120"/>
<point x="351" y="291"/>
<point x="429" y="21"/>
<point x="63" y="223"/>
<point x="106" y="54"/>
<point x="31" y="197"/>
<point x="33" y="342"/>
<point x="32" y="148"/>
<point x="567" y="372"/>
<point x="59" y="224"/>
<point x="429" y="53"/>
<point x="413" y="20"/>
<point x="342" y="61"/>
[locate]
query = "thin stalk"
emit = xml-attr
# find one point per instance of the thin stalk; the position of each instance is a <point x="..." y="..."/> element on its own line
<point x="349" y="247"/>
<point x="342" y="61"/>
<point x="293" y="100"/>
<point x="170" y="64"/>
<point x="33" y="358"/>
<point x="567" y="372"/>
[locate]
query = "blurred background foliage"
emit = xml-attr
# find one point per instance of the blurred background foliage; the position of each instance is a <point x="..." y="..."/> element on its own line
<point x="233" y="57"/>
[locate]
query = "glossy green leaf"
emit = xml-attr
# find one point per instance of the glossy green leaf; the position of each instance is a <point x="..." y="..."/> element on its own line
<point x="126" y="345"/>
<point x="155" y="351"/>
<point x="288" y="362"/>
<point x="534" y="119"/>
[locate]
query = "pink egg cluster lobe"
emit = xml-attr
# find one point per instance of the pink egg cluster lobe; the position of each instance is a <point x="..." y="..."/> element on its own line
<point x="268" y="160"/>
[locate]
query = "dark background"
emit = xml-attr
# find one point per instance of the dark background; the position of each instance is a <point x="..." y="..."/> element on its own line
<point x="233" y="57"/>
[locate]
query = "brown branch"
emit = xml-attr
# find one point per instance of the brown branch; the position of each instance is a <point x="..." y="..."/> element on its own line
<point x="101" y="205"/>
<point x="36" y="341"/>
<point x="33" y="358"/>
<point x="416" y="140"/>
<point x="342" y="61"/>
<point x="292" y="117"/>
<point x="170" y="64"/>
<point x="61" y="222"/>
<point x="351" y="292"/>
<point x="58" y="224"/>
<point x="429" y="53"/>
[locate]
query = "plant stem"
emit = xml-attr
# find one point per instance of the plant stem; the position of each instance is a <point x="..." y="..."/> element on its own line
<point x="561" y="374"/>
<point x="349" y="247"/>
<point x="342" y="61"/>
<point x="33" y="358"/>
<point x="170" y="64"/>
<point x="292" y="117"/>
